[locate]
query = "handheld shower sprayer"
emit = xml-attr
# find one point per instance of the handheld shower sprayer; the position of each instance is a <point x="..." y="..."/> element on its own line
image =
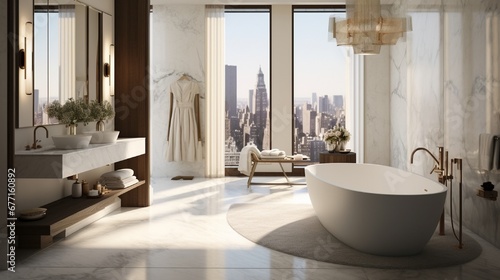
<point x="458" y="163"/>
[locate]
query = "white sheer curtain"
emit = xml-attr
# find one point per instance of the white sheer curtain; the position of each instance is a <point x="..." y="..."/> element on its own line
<point x="215" y="100"/>
<point x="67" y="46"/>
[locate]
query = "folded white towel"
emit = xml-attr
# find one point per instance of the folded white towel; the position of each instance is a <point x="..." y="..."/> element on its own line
<point x="121" y="185"/>
<point x="116" y="181"/>
<point x="245" y="163"/>
<point x="273" y="153"/>
<point x="486" y="149"/>
<point x="119" y="174"/>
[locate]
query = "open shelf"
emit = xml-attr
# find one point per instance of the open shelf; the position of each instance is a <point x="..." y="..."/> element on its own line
<point x="62" y="214"/>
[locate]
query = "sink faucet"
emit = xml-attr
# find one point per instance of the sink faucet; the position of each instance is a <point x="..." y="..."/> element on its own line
<point x="35" y="141"/>
<point x="441" y="168"/>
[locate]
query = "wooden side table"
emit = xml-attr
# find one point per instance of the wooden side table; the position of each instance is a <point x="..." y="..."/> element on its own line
<point x="326" y="157"/>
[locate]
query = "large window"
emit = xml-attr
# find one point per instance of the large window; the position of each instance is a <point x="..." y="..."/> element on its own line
<point x="320" y="80"/>
<point x="46" y="42"/>
<point x="247" y="80"/>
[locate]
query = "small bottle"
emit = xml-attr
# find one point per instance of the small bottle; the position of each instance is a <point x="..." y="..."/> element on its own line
<point x="98" y="187"/>
<point x="85" y="187"/>
<point x="76" y="189"/>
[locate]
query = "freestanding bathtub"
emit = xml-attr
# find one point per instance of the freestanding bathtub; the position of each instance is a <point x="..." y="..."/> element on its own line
<point x="376" y="209"/>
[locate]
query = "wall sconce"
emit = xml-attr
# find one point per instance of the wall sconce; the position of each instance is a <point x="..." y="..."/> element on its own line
<point x="26" y="58"/>
<point x="106" y="70"/>
<point x="109" y="70"/>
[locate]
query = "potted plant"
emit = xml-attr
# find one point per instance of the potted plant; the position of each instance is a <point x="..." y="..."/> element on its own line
<point x="100" y="112"/>
<point x="70" y="113"/>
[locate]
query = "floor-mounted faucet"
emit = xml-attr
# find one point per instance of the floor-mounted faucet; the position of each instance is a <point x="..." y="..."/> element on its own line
<point x="35" y="141"/>
<point x="441" y="168"/>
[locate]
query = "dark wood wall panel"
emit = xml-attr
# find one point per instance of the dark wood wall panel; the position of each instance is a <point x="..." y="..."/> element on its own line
<point x="132" y="88"/>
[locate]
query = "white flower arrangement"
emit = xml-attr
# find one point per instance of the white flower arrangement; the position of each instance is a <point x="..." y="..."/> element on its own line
<point x="336" y="134"/>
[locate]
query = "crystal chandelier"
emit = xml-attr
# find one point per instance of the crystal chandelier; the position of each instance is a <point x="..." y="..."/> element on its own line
<point x="365" y="29"/>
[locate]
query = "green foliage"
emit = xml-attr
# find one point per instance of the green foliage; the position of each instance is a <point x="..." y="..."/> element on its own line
<point x="101" y="111"/>
<point x="72" y="112"/>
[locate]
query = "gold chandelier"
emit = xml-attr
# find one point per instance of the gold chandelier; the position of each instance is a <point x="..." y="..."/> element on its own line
<point x="365" y="29"/>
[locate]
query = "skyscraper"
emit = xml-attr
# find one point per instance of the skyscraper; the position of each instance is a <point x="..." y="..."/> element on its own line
<point x="323" y="104"/>
<point x="261" y="107"/>
<point x="338" y="101"/>
<point x="250" y="99"/>
<point x="231" y="91"/>
<point x="314" y="101"/>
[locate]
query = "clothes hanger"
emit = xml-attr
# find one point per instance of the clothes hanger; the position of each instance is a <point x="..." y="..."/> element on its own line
<point x="185" y="77"/>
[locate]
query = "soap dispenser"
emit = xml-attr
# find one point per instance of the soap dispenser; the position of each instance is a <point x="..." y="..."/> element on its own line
<point x="76" y="189"/>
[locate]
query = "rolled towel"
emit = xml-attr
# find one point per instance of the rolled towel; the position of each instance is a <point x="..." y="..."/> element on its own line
<point x="273" y="154"/>
<point x="277" y="153"/>
<point x="119" y="174"/>
<point x="298" y="157"/>
<point x="265" y="152"/>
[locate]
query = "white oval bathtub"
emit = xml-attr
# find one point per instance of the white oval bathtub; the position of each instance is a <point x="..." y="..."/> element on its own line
<point x="375" y="209"/>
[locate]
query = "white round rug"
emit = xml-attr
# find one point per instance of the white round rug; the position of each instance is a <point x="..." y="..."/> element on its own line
<point x="295" y="230"/>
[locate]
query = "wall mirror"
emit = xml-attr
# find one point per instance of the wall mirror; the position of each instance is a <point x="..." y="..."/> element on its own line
<point x="67" y="57"/>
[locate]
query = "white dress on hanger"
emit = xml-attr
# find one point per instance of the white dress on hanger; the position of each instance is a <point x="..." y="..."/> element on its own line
<point x="182" y="142"/>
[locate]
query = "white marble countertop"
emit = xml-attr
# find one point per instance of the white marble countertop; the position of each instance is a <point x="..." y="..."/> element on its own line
<point x="49" y="162"/>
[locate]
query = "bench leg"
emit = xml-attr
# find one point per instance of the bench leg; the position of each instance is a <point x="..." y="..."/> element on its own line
<point x="254" y="166"/>
<point x="284" y="173"/>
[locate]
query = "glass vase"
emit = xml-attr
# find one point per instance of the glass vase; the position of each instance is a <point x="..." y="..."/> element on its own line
<point x="341" y="146"/>
<point x="99" y="126"/>
<point x="330" y="147"/>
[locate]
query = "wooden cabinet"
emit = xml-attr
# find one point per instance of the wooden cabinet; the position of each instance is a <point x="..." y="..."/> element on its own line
<point x="327" y="157"/>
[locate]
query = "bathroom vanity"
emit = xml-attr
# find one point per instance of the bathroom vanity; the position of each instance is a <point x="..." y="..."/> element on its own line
<point x="66" y="215"/>
<point x="56" y="163"/>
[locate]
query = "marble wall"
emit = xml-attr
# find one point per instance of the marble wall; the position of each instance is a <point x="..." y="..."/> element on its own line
<point x="444" y="92"/>
<point x="177" y="47"/>
<point x="376" y="111"/>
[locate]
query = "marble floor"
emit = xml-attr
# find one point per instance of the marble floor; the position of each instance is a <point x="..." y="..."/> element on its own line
<point x="184" y="235"/>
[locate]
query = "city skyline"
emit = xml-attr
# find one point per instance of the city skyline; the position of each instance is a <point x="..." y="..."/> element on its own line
<point x="251" y="52"/>
<point x="319" y="76"/>
<point x="251" y="124"/>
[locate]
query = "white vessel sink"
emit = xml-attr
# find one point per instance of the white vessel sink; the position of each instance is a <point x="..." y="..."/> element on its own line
<point x="103" y="137"/>
<point x="71" y="142"/>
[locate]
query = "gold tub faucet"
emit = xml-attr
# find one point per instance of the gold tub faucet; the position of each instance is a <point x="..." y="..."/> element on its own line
<point x="441" y="168"/>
